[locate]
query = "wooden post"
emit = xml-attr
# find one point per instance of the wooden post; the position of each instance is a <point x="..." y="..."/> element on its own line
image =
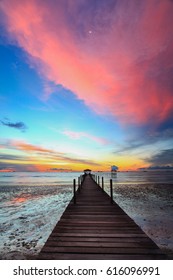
<point x="111" y="191"/>
<point x="80" y="181"/>
<point x="102" y="184"/>
<point x="79" y="184"/>
<point x="74" y="191"/>
<point x="98" y="180"/>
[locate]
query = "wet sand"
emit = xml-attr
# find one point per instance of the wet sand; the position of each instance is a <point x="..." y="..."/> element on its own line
<point x="149" y="205"/>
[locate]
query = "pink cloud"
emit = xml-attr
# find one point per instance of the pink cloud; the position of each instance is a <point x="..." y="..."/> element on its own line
<point x="122" y="68"/>
<point x="79" y="135"/>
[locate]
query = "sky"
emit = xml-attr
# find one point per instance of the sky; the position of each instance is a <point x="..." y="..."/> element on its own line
<point x="86" y="84"/>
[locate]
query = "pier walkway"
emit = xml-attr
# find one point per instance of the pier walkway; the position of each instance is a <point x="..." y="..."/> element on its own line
<point x="95" y="228"/>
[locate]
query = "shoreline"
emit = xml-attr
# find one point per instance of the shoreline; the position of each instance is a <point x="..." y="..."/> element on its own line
<point x="149" y="205"/>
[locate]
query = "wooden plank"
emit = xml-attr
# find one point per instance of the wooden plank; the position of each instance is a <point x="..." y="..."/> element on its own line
<point x="93" y="234"/>
<point x="96" y="230"/>
<point x="99" y="228"/>
<point x="61" y="256"/>
<point x="100" y="239"/>
<point x="94" y="220"/>
<point x="97" y="224"/>
<point x="96" y="216"/>
<point x="99" y="250"/>
<point x="101" y="244"/>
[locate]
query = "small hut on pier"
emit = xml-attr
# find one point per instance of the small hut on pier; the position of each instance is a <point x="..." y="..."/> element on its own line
<point x="87" y="171"/>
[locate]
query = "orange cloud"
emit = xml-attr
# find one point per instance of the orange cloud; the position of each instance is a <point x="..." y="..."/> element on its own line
<point x="123" y="67"/>
<point x="21" y="145"/>
<point x="41" y="156"/>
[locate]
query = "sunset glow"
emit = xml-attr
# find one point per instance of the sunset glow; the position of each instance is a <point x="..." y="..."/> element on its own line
<point x="86" y="84"/>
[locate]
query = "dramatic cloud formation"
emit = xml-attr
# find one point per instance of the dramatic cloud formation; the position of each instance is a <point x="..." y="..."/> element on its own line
<point x="143" y="139"/>
<point x="116" y="55"/>
<point x="18" y="125"/>
<point x="163" y="158"/>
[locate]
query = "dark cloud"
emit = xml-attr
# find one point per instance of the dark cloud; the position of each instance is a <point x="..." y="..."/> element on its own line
<point x="146" y="137"/>
<point x="17" y="167"/>
<point x="129" y="147"/>
<point x="157" y="167"/>
<point x="59" y="169"/>
<point x="168" y="167"/>
<point x="18" y="125"/>
<point x="11" y="157"/>
<point x="163" y="158"/>
<point x="3" y="167"/>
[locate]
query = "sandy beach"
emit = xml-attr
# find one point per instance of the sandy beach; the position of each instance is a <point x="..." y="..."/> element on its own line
<point x="30" y="208"/>
<point x="30" y="217"/>
<point x="151" y="207"/>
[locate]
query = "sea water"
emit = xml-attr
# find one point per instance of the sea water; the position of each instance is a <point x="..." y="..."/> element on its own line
<point x="31" y="203"/>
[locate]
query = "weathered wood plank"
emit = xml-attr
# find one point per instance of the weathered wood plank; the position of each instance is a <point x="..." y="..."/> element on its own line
<point x="115" y="228"/>
<point x="61" y="256"/>
<point x="101" y="244"/>
<point x="99" y="250"/>
<point x="99" y="235"/>
<point x="98" y="217"/>
<point x="95" y="230"/>
<point x="97" y="223"/>
<point x="105" y="220"/>
<point x="100" y="239"/>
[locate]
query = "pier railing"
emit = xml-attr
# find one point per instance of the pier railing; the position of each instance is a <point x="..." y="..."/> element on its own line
<point x="77" y="187"/>
<point x="96" y="178"/>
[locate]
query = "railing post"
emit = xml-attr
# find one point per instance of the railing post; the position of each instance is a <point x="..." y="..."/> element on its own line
<point x="79" y="184"/>
<point x="80" y="181"/>
<point x="98" y="180"/>
<point x="74" y="191"/>
<point x="111" y="191"/>
<point x="102" y="184"/>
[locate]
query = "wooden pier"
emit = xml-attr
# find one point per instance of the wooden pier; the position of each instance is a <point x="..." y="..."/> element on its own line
<point x="96" y="228"/>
